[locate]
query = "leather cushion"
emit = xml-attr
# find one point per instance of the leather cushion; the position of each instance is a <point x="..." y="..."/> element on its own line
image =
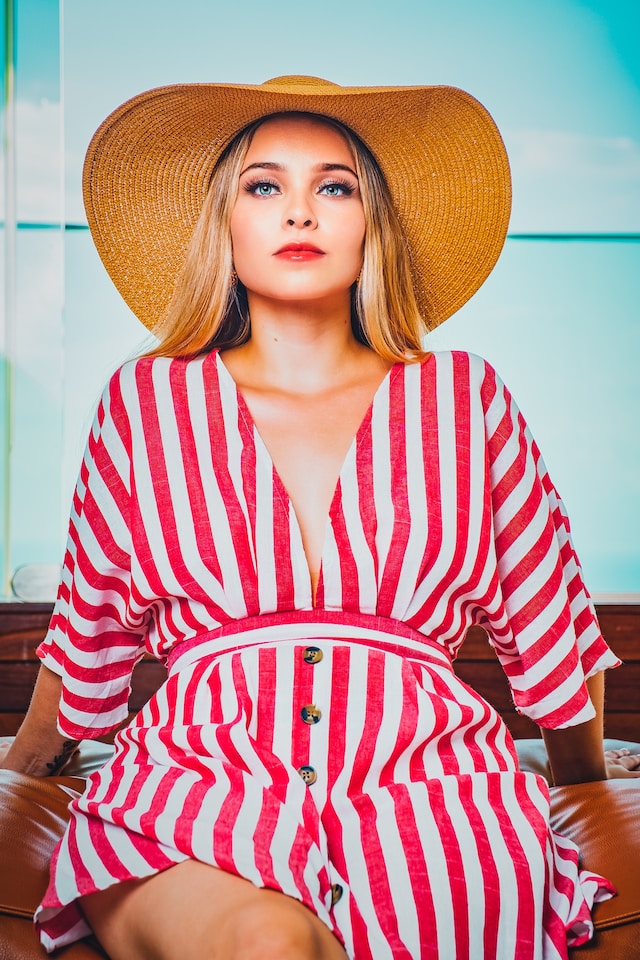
<point x="603" y="819"/>
<point x="33" y="815"/>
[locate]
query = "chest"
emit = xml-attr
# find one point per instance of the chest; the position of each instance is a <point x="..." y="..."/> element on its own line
<point x="307" y="440"/>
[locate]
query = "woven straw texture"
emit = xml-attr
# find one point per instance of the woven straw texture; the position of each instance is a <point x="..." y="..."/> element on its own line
<point x="149" y="164"/>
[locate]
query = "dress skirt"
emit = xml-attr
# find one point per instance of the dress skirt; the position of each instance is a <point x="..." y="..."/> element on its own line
<point x="355" y="773"/>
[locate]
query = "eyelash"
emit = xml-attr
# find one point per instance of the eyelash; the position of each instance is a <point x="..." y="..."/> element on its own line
<point x="344" y="185"/>
<point x="252" y="185"/>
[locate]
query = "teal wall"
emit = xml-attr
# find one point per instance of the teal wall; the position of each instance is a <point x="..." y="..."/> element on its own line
<point x="558" y="317"/>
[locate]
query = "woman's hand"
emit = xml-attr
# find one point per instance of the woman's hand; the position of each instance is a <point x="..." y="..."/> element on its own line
<point x="622" y="763"/>
<point x="38" y="749"/>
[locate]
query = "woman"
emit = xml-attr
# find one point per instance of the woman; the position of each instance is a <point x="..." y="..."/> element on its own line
<point x="301" y="512"/>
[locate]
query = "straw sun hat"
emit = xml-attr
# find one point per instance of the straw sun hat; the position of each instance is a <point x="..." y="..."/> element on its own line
<point x="149" y="164"/>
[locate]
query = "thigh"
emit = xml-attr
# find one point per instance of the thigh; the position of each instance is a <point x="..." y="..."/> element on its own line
<point x="452" y="868"/>
<point x="194" y="911"/>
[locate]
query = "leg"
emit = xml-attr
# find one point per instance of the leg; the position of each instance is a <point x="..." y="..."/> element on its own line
<point x="195" y="912"/>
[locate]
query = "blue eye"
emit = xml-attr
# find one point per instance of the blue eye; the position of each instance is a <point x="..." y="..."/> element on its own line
<point x="262" y="188"/>
<point x="337" y="189"/>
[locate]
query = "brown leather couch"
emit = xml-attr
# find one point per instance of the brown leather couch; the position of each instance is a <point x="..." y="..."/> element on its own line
<point x="602" y="818"/>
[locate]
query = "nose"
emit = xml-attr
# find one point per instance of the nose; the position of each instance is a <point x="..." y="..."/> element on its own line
<point x="298" y="221"/>
<point x="299" y="213"/>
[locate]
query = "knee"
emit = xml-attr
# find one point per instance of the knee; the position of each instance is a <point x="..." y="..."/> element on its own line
<point x="276" y="932"/>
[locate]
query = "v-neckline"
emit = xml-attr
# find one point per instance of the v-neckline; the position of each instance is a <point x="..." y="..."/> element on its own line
<point x="361" y="431"/>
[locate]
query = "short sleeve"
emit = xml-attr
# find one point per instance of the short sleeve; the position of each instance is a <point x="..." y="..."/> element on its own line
<point x="95" y="635"/>
<point x="541" y="621"/>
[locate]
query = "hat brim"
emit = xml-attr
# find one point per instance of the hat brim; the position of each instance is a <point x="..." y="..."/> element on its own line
<point x="148" y="167"/>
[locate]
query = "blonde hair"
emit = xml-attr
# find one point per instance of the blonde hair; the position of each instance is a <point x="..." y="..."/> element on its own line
<point x="208" y="309"/>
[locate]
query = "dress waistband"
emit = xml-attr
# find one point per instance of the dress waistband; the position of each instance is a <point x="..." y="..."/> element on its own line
<point x="368" y="630"/>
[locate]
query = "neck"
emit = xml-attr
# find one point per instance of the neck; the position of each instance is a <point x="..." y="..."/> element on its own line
<point x="299" y="347"/>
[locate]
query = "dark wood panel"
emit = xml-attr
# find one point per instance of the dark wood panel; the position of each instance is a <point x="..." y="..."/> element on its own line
<point x="23" y="625"/>
<point x="16" y="685"/>
<point x="20" y="645"/>
<point x="17" y="681"/>
<point x="618" y="726"/>
<point x="476" y="646"/>
<point x="623" y="689"/>
<point x="488" y="679"/>
<point x="622" y="726"/>
<point x="147" y="677"/>
<point x="521" y="728"/>
<point x="24" y="616"/>
<point x="9" y="724"/>
<point x="620" y="625"/>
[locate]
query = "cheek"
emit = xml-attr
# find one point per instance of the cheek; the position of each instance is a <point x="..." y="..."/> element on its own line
<point x="355" y="235"/>
<point x="243" y="239"/>
<point x="252" y="227"/>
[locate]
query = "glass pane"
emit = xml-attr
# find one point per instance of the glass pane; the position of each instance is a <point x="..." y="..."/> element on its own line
<point x="556" y="319"/>
<point x="33" y="288"/>
<point x="559" y="322"/>
<point x="4" y="361"/>
<point x="35" y="456"/>
<point x="100" y="332"/>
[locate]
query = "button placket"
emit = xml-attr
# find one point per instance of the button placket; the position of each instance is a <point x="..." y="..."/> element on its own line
<point x="310" y="713"/>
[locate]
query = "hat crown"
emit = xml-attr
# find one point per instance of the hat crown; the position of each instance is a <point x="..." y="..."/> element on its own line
<point x="294" y="83"/>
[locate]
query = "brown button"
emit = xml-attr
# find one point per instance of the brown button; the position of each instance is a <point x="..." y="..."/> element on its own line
<point x="312" y="655"/>
<point x="336" y="893"/>
<point x="310" y="714"/>
<point x="308" y="774"/>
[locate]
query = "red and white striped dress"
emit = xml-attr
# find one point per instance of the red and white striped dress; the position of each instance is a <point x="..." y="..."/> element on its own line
<point x="327" y="750"/>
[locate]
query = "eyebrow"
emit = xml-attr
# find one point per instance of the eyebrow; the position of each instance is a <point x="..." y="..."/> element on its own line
<point x="320" y="167"/>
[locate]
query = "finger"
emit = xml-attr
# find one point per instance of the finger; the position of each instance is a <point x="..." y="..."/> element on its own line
<point x="630" y="763"/>
<point x="616" y="771"/>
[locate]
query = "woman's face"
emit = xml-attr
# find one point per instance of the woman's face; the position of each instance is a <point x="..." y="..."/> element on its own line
<point x="297" y="227"/>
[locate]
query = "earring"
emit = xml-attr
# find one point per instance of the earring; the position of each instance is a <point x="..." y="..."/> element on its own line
<point x="234" y="277"/>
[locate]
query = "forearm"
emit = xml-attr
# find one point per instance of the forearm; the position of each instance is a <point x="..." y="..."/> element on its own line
<point x="576" y="753"/>
<point x="39" y="749"/>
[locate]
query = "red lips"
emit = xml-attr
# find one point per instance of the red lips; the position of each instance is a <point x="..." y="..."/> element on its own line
<point x="299" y="251"/>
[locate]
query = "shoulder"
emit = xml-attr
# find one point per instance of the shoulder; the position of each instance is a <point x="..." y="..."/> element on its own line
<point x="460" y="384"/>
<point x="440" y="360"/>
<point x="139" y="386"/>
<point x="456" y="367"/>
<point x="143" y="376"/>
